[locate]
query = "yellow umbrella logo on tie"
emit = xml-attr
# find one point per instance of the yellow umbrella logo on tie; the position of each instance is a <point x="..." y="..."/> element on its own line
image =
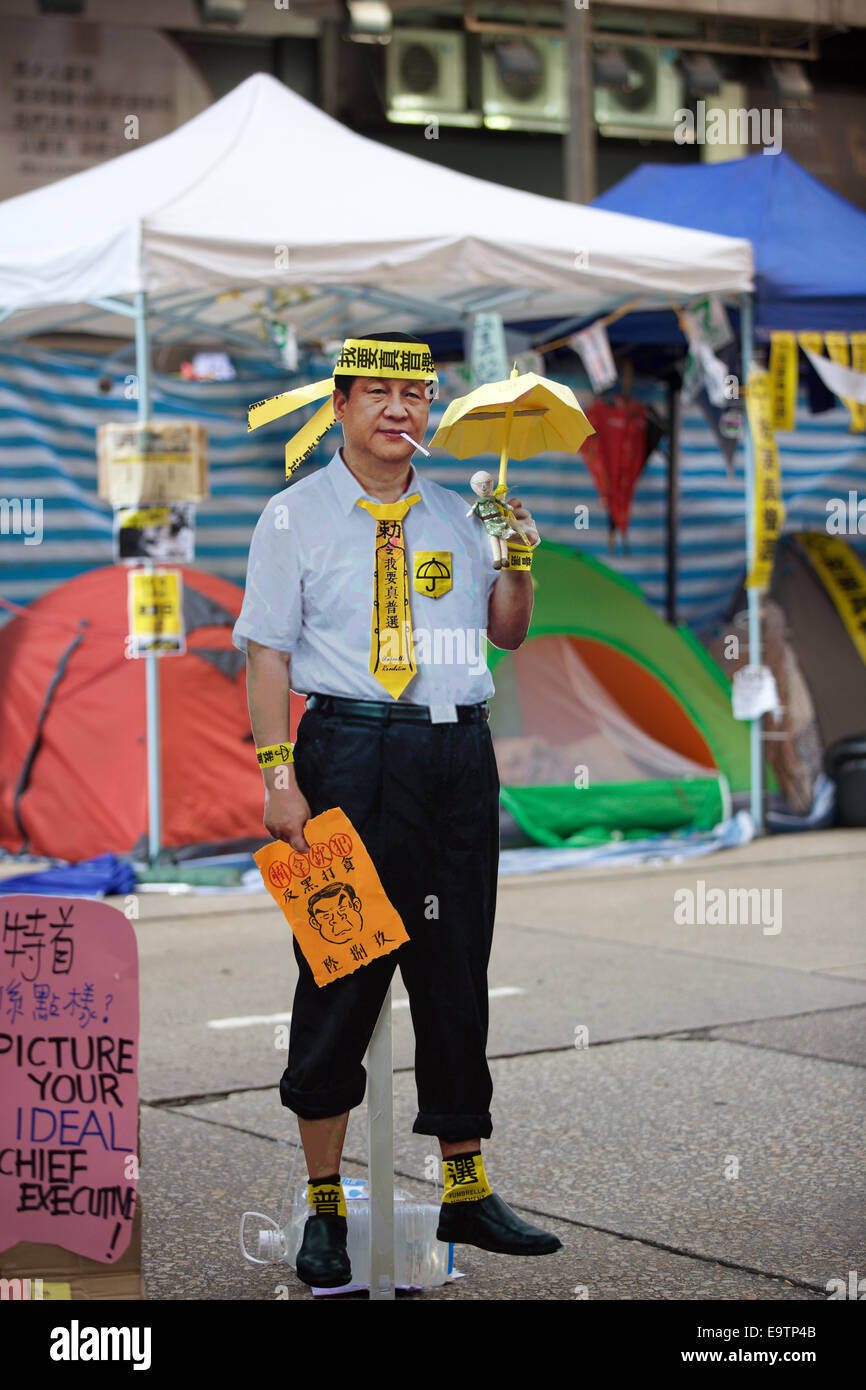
<point x="517" y="418"/>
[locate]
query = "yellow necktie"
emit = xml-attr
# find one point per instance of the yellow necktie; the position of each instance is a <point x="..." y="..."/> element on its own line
<point x="392" y="656"/>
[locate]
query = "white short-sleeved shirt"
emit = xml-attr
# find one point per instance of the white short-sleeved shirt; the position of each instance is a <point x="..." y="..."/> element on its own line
<point x="310" y="579"/>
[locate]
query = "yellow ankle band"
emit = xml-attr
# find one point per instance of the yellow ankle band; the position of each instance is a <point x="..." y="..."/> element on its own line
<point x="327" y="1198"/>
<point x="465" y="1178"/>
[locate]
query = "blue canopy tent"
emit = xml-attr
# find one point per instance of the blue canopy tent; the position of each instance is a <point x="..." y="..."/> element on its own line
<point x="808" y="242"/>
<point x="810" y="269"/>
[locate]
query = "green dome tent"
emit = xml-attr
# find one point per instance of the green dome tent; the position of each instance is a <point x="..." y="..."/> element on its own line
<point x="609" y="722"/>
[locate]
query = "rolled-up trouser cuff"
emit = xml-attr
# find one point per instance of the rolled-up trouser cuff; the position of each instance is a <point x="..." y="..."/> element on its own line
<point x="325" y="1102"/>
<point x="454" y="1128"/>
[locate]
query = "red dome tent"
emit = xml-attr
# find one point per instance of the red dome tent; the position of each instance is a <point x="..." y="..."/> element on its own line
<point x="73" y="774"/>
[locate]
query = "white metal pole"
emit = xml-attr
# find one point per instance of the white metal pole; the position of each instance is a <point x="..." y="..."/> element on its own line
<point x="151" y="660"/>
<point x="380" y="1129"/>
<point x="753" y="596"/>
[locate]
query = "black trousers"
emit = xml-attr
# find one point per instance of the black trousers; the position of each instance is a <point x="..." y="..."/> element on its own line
<point x="425" y="800"/>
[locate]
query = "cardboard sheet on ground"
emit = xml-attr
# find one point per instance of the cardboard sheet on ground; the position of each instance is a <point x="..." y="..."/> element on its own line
<point x="68" y="1076"/>
<point x="332" y="897"/>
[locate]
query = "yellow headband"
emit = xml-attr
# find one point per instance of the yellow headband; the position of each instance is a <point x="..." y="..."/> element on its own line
<point x="412" y="361"/>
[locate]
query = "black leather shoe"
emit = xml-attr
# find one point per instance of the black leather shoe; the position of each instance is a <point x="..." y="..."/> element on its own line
<point x="490" y="1224"/>
<point x="322" y="1259"/>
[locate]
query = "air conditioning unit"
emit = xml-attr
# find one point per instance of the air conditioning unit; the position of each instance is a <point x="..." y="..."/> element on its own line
<point x="647" y="107"/>
<point x="731" y="97"/>
<point x="523" y="83"/>
<point x="425" y="77"/>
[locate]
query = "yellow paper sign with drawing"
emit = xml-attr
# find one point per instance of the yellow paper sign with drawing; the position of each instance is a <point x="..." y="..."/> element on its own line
<point x="332" y="897"/>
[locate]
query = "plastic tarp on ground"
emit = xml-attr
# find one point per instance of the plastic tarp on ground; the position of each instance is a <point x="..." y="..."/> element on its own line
<point x="211" y="205"/>
<point x="810" y="266"/>
<point x="608" y="722"/>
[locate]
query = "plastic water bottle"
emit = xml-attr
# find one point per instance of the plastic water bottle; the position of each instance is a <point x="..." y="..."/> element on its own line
<point x="420" y="1260"/>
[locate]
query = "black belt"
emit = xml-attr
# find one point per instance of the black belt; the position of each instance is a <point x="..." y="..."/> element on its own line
<point x="381" y="712"/>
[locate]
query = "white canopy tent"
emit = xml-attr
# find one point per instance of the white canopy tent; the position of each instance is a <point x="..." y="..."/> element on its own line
<point x="263" y="189"/>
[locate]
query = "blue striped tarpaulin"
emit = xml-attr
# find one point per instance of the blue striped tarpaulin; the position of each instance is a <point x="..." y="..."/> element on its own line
<point x="51" y="405"/>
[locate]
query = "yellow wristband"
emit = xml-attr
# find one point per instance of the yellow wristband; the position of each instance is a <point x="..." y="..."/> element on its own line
<point x="275" y="753"/>
<point x="519" y="557"/>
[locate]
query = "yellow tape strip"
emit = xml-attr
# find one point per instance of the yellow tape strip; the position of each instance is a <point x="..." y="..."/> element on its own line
<point x="844" y="578"/>
<point x="308" y="436"/>
<point x="837" y="351"/>
<point x="783" y="379"/>
<point x="263" y="412"/>
<point x="858" y="362"/>
<point x="769" y="511"/>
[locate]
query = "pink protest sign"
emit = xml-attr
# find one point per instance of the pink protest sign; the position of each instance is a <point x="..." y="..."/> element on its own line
<point x="68" y="1074"/>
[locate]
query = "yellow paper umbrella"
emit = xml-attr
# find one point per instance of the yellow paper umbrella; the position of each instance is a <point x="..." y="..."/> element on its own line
<point x="516" y="418"/>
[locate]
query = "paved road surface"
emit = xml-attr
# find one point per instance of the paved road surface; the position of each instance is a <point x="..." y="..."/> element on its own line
<point x="706" y="1143"/>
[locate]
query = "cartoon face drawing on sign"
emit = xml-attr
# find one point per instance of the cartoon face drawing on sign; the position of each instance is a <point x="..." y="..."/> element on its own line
<point x="335" y="912"/>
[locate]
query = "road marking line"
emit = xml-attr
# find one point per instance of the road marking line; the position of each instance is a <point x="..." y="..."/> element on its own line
<point x="251" y="1020"/>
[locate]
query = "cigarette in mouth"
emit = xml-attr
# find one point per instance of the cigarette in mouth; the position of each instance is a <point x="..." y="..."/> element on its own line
<point x="415" y="444"/>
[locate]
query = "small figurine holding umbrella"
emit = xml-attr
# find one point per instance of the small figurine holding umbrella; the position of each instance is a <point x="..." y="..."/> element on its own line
<point x="498" y="519"/>
<point x="522" y="416"/>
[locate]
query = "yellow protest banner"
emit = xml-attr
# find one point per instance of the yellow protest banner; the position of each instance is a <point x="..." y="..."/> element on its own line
<point x="332" y="897"/>
<point x="155" y="613"/>
<point x="814" y="341"/>
<point x="858" y="362"/>
<point x="769" y="510"/>
<point x="783" y="379"/>
<point x="837" y="351"/>
<point x="844" y="578"/>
